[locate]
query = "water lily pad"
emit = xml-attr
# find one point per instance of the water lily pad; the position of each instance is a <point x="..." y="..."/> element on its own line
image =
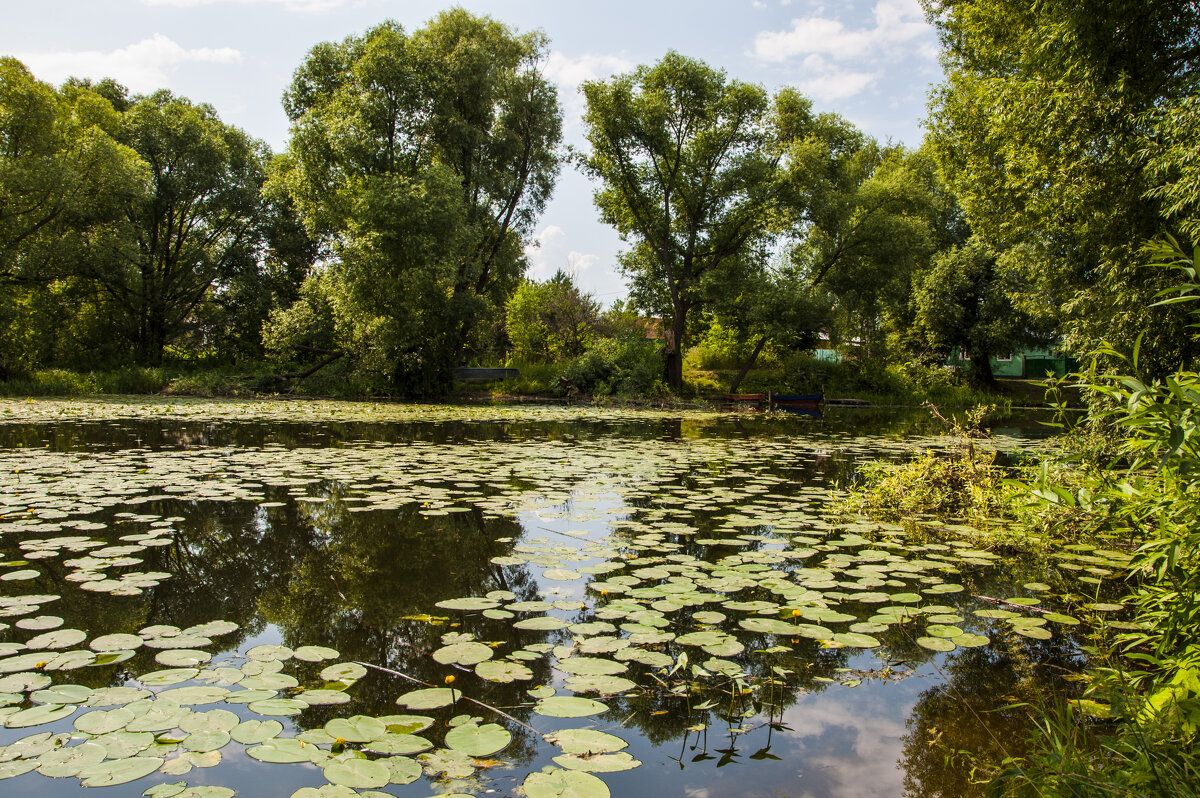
<point x="278" y="706"/>
<point x="429" y="698"/>
<point x="251" y="732"/>
<point x="282" y="750"/>
<point x="204" y="741"/>
<point x="270" y="653"/>
<point x="856" y="640"/>
<point x="478" y="741"/>
<point x="401" y="770"/>
<point x="103" y="721"/>
<point x="119" y="771"/>
<point x="343" y="672"/>
<point x="468" y="603"/>
<point x="46" y="713"/>
<point x="463" y="653"/>
<point x="586" y="741"/>
<point x="541" y="623"/>
<point x="357" y="773"/>
<point x="591" y="666"/>
<point x="315" y="653"/>
<point x="323" y="697"/>
<point x="569" y="707"/>
<point x="62" y="694"/>
<point x="398" y="744"/>
<point x="356" y="728"/>
<point x="936" y="643"/>
<point x="182" y="657"/>
<point x="564" y="784"/>
<point x="68" y="761"/>
<point x="598" y="763"/>
<point x="213" y="720"/>
<point x="503" y="671"/>
<point x="116" y="696"/>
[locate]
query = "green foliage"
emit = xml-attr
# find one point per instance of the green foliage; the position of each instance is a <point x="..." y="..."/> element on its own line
<point x="615" y="366"/>
<point x="423" y="162"/>
<point x="960" y="302"/>
<point x="550" y="321"/>
<point x="64" y="176"/>
<point x="687" y="163"/>
<point x="1039" y="129"/>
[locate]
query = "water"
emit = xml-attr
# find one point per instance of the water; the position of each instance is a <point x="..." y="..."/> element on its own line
<point x="344" y="526"/>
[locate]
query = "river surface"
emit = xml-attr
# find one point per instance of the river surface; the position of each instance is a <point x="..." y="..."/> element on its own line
<point x="198" y="598"/>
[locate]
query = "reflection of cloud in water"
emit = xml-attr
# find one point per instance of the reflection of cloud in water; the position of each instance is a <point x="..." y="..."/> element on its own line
<point x="844" y="743"/>
<point x="849" y="742"/>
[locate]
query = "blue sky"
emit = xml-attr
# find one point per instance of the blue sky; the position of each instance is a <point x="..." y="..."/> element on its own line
<point x="871" y="61"/>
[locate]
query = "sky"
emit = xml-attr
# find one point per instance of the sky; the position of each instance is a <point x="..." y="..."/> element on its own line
<point x="872" y="61"/>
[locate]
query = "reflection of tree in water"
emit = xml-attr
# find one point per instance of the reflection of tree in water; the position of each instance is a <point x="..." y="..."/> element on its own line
<point x="367" y="582"/>
<point x="970" y="711"/>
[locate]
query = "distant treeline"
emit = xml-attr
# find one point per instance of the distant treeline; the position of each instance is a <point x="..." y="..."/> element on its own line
<point x="385" y="244"/>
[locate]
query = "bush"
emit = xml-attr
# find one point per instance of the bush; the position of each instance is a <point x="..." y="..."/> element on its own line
<point x="615" y="366"/>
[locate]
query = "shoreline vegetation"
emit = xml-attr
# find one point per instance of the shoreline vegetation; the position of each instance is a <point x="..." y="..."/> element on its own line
<point x="539" y="384"/>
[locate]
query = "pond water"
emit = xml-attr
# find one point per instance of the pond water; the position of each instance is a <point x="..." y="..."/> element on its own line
<point x="198" y="598"/>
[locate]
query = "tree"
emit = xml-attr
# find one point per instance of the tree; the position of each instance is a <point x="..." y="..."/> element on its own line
<point x="1039" y="127"/>
<point x="63" y="175"/>
<point x="550" y="321"/>
<point x="961" y="302"/>
<point x="195" y="226"/>
<point x="423" y="162"/>
<point x="688" y="167"/>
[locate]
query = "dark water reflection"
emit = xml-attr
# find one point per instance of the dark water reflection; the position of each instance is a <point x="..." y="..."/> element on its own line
<point x="829" y="722"/>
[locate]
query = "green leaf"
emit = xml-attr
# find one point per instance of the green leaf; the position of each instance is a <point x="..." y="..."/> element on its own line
<point x="478" y="741"/>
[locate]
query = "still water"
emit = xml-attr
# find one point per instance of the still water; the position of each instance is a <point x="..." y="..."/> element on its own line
<point x="198" y="599"/>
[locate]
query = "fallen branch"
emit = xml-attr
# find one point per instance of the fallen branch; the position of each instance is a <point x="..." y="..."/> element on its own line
<point x="465" y="697"/>
<point x="1013" y="604"/>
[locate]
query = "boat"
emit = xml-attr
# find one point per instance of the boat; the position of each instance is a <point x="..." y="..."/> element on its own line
<point x="808" y="404"/>
<point x="745" y="398"/>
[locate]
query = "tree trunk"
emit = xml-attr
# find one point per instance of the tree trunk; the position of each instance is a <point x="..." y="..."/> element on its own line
<point x="762" y="340"/>
<point x="675" y="352"/>
<point x="981" y="371"/>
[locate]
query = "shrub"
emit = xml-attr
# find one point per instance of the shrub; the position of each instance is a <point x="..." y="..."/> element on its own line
<point x="615" y="366"/>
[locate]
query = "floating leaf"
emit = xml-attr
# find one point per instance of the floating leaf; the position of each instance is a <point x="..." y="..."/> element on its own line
<point x="119" y="771"/>
<point x="357" y="773"/>
<point x="564" y="784"/>
<point x="343" y="672"/>
<point x="429" y="698"/>
<point x="569" y="707"/>
<point x="503" y="671"/>
<point x="356" y="728"/>
<point x="46" y="713"/>
<point x="598" y="763"/>
<point x="250" y="732"/>
<point x="586" y="741"/>
<point x="478" y="741"/>
<point x="315" y="653"/>
<point x="463" y="654"/>
<point x="935" y="643"/>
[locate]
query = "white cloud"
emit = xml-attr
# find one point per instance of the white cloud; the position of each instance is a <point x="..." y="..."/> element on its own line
<point x="896" y="22"/>
<point x="540" y="252"/>
<point x="291" y="5"/>
<point x="580" y="262"/>
<point x="144" y="66"/>
<point x="826" y="81"/>
<point x="569" y="72"/>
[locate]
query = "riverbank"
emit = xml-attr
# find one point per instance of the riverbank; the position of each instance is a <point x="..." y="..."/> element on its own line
<point x="702" y="389"/>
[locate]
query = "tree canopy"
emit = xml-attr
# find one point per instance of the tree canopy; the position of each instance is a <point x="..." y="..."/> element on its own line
<point x="687" y="162"/>
<point x="423" y="161"/>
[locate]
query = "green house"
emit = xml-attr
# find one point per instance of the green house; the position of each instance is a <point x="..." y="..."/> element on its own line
<point x="1030" y="364"/>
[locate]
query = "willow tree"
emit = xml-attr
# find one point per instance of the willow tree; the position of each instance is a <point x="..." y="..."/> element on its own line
<point x="423" y="161"/>
<point x="687" y="161"/>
